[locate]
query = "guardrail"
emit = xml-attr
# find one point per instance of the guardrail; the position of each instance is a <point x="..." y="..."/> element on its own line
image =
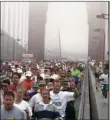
<point x="99" y="110"/>
<point x="84" y="108"/>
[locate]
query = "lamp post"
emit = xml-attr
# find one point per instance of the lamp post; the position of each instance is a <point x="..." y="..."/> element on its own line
<point x="103" y="33"/>
<point x="46" y="54"/>
<point x="14" y="42"/>
<point x="59" y="44"/>
<point x="97" y="38"/>
<point x="49" y="54"/>
<point x="102" y="16"/>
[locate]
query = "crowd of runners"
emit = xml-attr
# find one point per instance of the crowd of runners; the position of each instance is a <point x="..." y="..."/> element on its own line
<point x="101" y="72"/>
<point x="44" y="90"/>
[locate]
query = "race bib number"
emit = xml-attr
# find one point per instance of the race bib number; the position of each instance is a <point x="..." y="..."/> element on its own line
<point x="57" y="103"/>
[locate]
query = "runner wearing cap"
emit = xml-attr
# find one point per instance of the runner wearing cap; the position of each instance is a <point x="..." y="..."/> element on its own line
<point x="37" y="98"/>
<point x="28" y="83"/>
<point x="34" y="90"/>
<point x="50" y="86"/>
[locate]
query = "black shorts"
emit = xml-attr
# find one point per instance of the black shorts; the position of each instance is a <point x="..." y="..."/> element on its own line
<point x="96" y="75"/>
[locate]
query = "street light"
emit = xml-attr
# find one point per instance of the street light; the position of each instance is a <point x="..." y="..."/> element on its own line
<point x="97" y="38"/>
<point x="50" y="54"/>
<point x="102" y="32"/>
<point x="14" y="42"/>
<point x="102" y="16"/>
<point x="60" y="44"/>
<point x="18" y="40"/>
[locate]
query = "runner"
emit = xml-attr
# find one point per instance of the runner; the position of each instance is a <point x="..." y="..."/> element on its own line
<point x="9" y="111"/>
<point x="60" y="98"/>
<point x="15" y="82"/>
<point x="21" y="104"/>
<point x="45" y="109"/>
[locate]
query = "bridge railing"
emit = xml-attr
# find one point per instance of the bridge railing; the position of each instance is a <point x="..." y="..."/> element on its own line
<point x="84" y="108"/>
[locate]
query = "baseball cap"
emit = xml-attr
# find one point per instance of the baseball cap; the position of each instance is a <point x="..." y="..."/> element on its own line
<point x="35" y="85"/>
<point x="42" y="82"/>
<point x="50" y="85"/>
<point x="28" y="73"/>
<point x="47" y="77"/>
<point x="19" y="71"/>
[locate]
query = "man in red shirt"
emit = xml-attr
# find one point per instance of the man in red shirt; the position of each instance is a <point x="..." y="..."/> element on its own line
<point x="28" y="83"/>
<point x="15" y="82"/>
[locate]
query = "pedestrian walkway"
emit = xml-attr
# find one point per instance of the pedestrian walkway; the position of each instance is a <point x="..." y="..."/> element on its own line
<point x="102" y="104"/>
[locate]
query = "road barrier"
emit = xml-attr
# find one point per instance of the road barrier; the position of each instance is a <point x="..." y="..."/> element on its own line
<point x="84" y="108"/>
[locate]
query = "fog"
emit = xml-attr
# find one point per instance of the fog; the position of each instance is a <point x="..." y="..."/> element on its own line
<point x="70" y="21"/>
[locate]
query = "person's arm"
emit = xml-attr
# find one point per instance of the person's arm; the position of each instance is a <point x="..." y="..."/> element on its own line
<point x="76" y="93"/>
<point x="101" y="78"/>
<point x="27" y="114"/>
<point x="79" y="74"/>
<point x="32" y="102"/>
<point x="72" y="95"/>
<point x="29" y="110"/>
<point x="72" y="73"/>
<point x="26" y="96"/>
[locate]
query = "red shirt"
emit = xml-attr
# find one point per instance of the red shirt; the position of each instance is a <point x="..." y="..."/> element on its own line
<point x="13" y="89"/>
<point x="28" y="85"/>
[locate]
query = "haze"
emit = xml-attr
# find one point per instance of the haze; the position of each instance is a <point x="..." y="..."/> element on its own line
<point x="71" y="21"/>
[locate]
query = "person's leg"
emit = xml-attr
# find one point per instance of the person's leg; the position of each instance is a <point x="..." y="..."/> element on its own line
<point x="97" y="82"/>
<point x="104" y="92"/>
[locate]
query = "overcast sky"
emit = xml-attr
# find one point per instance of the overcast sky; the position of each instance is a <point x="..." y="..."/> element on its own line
<point x="71" y="20"/>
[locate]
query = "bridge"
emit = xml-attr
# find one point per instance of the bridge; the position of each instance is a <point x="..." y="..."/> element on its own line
<point x="91" y="105"/>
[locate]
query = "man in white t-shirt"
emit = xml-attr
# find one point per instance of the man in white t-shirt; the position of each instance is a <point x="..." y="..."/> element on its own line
<point x="104" y="82"/>
<point x="37" y="98"/>
<point x="60" y="98"/>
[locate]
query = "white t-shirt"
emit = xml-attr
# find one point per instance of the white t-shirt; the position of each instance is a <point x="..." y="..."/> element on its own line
<point x="60" y="100"/>
<point x="104" y="77"/>
<point x="23" y="105"/>
<point x="35" y="99"/>
<point x="22" y="79"/>
<point x="54" y="76"/>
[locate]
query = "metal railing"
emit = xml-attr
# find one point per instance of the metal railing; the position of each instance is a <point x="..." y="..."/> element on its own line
<point x="84" y="103"/>
<point x="81" y="107"/>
